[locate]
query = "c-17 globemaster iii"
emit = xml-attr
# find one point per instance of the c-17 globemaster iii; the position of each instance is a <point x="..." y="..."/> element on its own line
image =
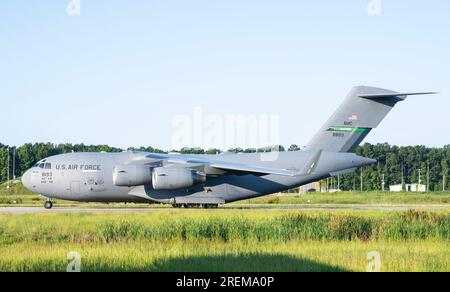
<point x="212" y="180"/>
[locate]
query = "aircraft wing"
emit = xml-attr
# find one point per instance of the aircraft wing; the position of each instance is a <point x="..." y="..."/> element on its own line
<point x="240" y="167"/>
<point x="235" y="166"/>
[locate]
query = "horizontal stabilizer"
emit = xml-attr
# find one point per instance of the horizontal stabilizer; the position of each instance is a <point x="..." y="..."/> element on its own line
<point x="396" y="94"/>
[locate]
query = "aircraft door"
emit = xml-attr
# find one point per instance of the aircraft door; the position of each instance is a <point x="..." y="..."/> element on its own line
<point x="75" y="188"/>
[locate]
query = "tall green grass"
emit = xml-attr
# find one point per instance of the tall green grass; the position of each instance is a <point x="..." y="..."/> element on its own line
<point x="226" y="240"/>
<point x="282" y="227"/>
<point x="355" y="198"/>
<point x="236" y="256"/>
<point x="411" y="225"/>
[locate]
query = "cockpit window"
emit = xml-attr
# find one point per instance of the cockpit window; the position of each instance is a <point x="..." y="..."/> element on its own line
<point x="46" y="165"/>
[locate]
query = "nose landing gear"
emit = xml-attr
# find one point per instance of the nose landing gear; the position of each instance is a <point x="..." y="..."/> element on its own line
<point x="48" y="204"/>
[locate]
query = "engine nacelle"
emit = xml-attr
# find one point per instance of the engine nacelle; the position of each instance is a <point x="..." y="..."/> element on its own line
<point x="166" y="178"/>
<point x="132" y="175"/>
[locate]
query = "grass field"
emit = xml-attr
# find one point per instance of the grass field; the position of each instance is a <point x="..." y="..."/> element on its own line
<point x="226" y="240"/>
<point x="356" y="198"/>
<point x="235" y="256"/>
<point x="230" y="239"/>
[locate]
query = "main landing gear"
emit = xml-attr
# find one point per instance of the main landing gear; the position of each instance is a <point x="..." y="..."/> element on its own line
<point x="196" y="206"/>
<point x="48" y="204"/>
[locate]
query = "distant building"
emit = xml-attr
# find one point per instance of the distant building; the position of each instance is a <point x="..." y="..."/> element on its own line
<point x="418" y="188"/>
<point x="396" y="188"/>
<point x="334" y="191"/>
<point x="310" y="188"/>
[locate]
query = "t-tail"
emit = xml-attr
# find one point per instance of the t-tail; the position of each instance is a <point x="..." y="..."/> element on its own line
<point x="362" y="110"/>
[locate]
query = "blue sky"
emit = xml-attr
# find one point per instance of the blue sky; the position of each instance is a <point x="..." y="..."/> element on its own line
<point x="118" y="73"/>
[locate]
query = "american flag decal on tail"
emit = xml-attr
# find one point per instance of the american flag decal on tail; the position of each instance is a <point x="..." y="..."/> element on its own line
<point x="353" y="118"/>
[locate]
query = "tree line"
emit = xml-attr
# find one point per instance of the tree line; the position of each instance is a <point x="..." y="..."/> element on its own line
<point x="395" y="164"/>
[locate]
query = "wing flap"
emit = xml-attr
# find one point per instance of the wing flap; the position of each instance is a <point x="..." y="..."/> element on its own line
<point x="253" y="168"/>
<point x="187" y="160"/>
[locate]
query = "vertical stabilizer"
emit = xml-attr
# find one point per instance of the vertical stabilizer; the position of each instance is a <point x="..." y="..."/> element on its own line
<point x="362" y="110"/>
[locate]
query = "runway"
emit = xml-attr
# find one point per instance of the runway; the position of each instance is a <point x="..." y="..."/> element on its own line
<point x="39" y="210"/>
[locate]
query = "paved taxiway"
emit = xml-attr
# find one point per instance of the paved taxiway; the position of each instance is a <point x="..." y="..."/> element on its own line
<point x="33" y="210"/>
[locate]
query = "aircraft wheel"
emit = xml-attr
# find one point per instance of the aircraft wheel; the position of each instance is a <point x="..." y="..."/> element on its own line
<point x="48" y="205"/>
<point x="210" y="206"/>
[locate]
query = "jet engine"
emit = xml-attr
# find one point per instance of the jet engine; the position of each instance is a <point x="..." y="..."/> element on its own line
<point x="132" y="175"/>
<point x="166" y="178"/>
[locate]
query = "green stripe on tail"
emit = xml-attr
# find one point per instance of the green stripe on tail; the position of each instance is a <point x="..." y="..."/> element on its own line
<point x="349" y="129"/>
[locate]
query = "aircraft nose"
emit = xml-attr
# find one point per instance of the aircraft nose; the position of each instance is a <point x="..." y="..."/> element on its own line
<point x="26" y="179"/>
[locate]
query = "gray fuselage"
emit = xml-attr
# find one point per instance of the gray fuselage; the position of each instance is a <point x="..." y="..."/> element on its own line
<point x="88" y="177"/>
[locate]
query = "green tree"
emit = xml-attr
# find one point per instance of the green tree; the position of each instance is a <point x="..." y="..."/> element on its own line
<point x="26" y="157"/>
<point x="294" y="147"/>
<point x="3" y="162"/>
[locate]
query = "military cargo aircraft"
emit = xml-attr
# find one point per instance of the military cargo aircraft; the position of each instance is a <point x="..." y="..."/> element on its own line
<point x="209" y="181"/>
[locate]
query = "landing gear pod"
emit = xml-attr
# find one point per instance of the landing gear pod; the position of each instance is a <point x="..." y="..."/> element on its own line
<point x="132" y="175"/>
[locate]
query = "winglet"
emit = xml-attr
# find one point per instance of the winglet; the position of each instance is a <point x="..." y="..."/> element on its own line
<point x="311" y="165"/>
